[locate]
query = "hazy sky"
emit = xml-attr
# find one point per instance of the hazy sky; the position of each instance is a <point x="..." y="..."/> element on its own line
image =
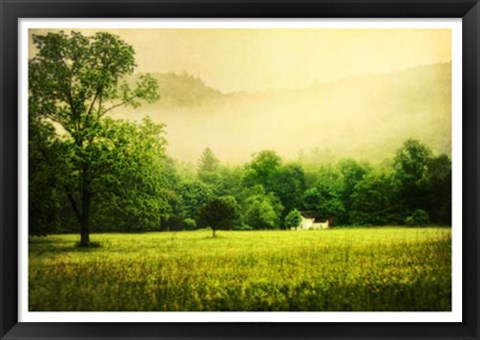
<point x="254" y="59"/>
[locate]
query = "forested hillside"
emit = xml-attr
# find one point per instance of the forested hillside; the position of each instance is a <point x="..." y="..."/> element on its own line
<point x="365" y="117"/>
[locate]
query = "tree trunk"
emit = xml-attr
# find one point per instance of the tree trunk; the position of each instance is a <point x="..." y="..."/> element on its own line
<point x="85" y="222"/>
<point x="213" y="229"/>
<point x="84" y="234"/>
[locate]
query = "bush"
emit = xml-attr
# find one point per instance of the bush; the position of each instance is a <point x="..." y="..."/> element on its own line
<point x="260" y="213"/>
<point x="418" y="218"/>
<point x="293" y="219"/>
<point x="242" y="227"/>
<point x="190" y="224"/>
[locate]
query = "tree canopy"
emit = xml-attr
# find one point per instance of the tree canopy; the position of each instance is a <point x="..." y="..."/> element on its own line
<point x="74" y="82"/>
<point x="220" y="213"/>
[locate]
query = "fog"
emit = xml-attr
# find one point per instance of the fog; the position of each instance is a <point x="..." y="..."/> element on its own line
<point x="318" y="94"/>
<point x="365" y="117"/>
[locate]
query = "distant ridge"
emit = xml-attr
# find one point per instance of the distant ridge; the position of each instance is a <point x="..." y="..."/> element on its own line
<point x="364" y="116"/>
<point x="182" y="90"/>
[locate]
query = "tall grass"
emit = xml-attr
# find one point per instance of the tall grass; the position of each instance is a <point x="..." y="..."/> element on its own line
<point x="381" y="269"/>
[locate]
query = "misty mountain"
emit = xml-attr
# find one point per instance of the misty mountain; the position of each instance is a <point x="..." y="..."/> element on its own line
<point x="365" y="117"/>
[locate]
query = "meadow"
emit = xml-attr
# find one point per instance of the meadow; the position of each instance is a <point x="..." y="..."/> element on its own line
<point x="343" y="269"/>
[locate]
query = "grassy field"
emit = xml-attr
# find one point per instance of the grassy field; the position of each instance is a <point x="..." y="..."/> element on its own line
<point x="369" y="269"/>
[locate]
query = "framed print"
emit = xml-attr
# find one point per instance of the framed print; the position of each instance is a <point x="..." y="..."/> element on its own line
<point x="239" y="169"/>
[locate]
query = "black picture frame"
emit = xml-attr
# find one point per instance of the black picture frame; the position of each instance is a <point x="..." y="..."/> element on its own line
<point x="11" y="11"/>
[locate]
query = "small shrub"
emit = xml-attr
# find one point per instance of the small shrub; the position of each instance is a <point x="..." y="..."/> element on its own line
<point x="293" y="219"/>
<point x="190" y="224"/>
<point x="242" y="227"/>
<point x="418" y="218"/>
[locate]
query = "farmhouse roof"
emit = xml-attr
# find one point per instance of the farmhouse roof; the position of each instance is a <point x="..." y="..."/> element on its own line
<point x="317" y="215"/>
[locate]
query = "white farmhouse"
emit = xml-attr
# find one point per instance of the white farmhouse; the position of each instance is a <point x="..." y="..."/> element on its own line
<point x="314" y="220"/>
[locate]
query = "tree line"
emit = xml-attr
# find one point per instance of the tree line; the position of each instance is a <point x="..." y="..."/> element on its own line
<point x="145" y="190"/>
<point x="89" y="172"/>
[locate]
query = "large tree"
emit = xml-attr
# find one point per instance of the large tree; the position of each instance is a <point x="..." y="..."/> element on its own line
<point x="208" y="162"/>
<point x="439" y="184"/>
<point x="135" y="182"/>
<point x="326" y="195"/>
<point x="74" y="81"/>
<point x="411" y="165"/>
<point x="194" y="195"/>
<point x="290" y="186"/>
<point x="261" y="212"/>
<point x="352" y="173"/>
<point x="374" y="200"/>
<point x="220" y="213"/>
<point x="263" y="170"/>
<point x="44" y="198"/>
<point x="208" y="170"/>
